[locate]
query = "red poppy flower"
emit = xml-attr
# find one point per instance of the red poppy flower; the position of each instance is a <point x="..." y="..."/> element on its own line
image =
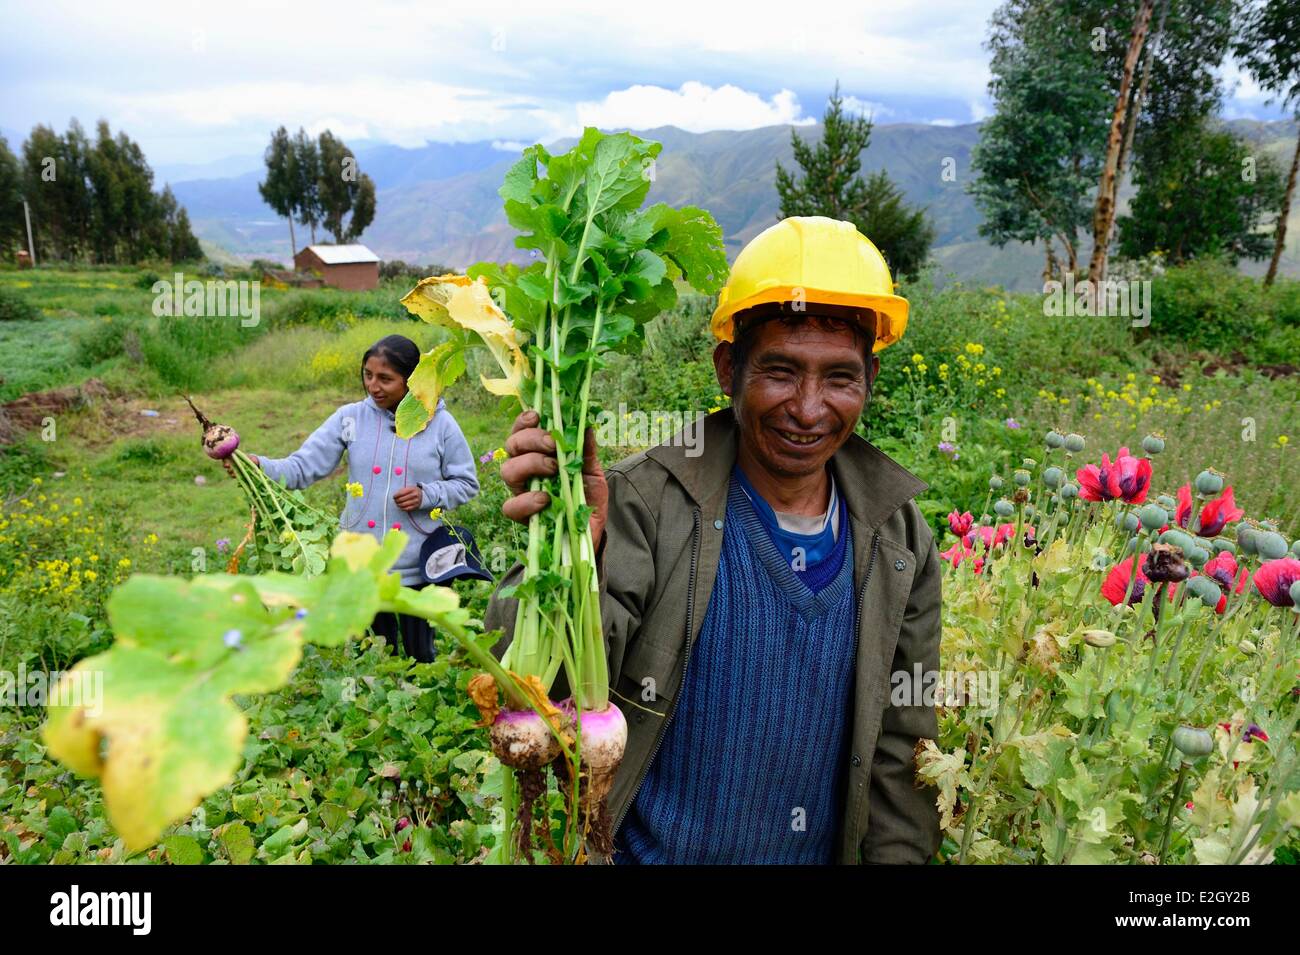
<point x="1116" y="583"/>
<point x="1215" y="515"/>
<point x="1274" y="578"/>
<point x="960" y="524"/>
<point x="1126" y="478"/>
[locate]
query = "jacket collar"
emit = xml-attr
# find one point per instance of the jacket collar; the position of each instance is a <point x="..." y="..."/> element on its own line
<point x="873" y="483"/>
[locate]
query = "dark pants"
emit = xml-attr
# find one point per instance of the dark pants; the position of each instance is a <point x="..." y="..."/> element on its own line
<point x="415" y="632"/>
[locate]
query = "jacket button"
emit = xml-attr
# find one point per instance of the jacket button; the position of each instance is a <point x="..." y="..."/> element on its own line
<point x="857" y="760"/>
<point x="900" y="565"/>
<point x="717" y="525"/>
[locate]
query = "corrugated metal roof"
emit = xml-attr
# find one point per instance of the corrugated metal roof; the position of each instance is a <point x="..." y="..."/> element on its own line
<point x="343" y="254"/>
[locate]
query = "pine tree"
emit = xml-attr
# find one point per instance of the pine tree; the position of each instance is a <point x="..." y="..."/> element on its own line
<point x="831" y="186"/>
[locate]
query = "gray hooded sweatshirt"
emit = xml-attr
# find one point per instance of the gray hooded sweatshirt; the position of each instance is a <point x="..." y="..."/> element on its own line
<point x="437" y="460"/>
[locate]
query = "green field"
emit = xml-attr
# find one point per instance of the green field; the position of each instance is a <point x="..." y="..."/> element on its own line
<point x="985" y="371"/>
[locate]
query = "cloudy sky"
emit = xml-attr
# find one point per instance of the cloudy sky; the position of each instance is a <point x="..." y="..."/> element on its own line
<point x="195" y="81"/>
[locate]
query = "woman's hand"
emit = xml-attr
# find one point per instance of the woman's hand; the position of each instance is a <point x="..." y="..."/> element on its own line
<point x="408" y="498"/>
<point x="532" y="454"/>
<point x="254" y="459"/>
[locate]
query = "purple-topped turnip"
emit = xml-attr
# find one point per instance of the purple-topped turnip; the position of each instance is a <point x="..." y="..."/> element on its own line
<point x="219" y="440"/>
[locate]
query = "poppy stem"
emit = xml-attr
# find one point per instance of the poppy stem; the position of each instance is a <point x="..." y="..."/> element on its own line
<point x="1173" y="804"/>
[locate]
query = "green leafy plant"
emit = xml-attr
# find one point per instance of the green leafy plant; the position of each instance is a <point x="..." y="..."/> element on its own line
<point x="604" y="268"/>
<point x="153" y="717"/>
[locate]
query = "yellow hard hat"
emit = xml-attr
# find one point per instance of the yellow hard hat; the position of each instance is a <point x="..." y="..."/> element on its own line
<point x="818" y="261"/>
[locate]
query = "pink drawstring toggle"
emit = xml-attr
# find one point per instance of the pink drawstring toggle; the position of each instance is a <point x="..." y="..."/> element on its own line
<point x="397" y="527"/>
<point x="370" y="523"/>
<point x="397" y="470"/>
<point x="377" y="469"/>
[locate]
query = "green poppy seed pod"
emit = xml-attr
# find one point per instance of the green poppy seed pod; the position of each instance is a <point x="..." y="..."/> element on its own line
<point x="1132" y="545"/>
<point x="1004" y="508"/>
<point x="986" y="519"/>
<point x="1030" y="511"/>
<point x="1074" y="443"/>
<point x="1207" y="544"/>
<point x="1246" y="647"/>
<point x="995" y="483"/>
<point x="1153" y="516"/>
<point x="1167" y="502"/>
<point x="1295" y="596"/>
<point x="1223" y="545"/>
<point x="1099" y="638"/>
<point x="1246" y="537"/>
<point x="1056" y="500"/>
<point x="1192" y="741"/>
<point x="1054" y="439"/>
<point x="1209" y="482"/>
<point x="1153" y="444"/>
<point x="1069" y="491"/>
<point x="1197" y="556"/>
<point x="1180" y="539"/>
<point x="1029" y="463"/>
<point x="1053" y="477"/>
<point x="1021" y="477"/>
<point x="1267" y="525"/>
<point x="1127" y="521"/>
<point x="1271" y="545"/>
<point x="1206" y="590"/>
<point x="1295" y="548"/>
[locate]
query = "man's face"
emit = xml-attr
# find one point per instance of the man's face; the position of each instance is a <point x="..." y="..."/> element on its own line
<point x="801" y="395"/>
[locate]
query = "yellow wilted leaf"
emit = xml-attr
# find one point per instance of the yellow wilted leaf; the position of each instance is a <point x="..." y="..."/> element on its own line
<point x="483" y="693"/>
<point x="946" y="771"/>
<point x="457" y="302"/>
<point x="1054" y="560"/>
<point x="1209" y="809"/>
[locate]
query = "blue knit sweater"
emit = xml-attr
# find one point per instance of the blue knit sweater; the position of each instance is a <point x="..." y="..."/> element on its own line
<point x="749" y="770"/>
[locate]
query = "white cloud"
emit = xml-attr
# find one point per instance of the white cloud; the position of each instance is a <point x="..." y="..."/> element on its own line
<point x="978" y="111"/>
<point x="694" y="106"/>
<point x="876" y="111"/>
<point x="509" y="145"/>
<point x="943" y="122"/>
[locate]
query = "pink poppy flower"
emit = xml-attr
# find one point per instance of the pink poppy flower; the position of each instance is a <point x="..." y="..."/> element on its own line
<point x="1215" y="515"/>
<point x="1126" y="478"/>
<point x="960" y="524"/>
<point x="1274" y="578"/>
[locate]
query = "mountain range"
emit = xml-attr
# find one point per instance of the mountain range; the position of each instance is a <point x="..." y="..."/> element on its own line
<point x="438" y="203"/>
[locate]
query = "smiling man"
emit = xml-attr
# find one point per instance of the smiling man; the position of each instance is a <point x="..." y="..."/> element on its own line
<point x="756" y="598"/>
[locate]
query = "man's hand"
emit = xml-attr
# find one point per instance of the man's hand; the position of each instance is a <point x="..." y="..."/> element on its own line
<point x="531" y="454"/>
<point x="408" y="498"/>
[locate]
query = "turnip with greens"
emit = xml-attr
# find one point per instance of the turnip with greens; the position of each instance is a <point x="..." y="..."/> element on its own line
<point x="604" y="267"/>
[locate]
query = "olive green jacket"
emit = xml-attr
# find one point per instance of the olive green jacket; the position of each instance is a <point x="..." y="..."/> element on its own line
<point x="659" y="560"/>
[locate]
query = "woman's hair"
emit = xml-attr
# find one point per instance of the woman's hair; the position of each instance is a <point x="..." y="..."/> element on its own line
<point x="397" y="350"/>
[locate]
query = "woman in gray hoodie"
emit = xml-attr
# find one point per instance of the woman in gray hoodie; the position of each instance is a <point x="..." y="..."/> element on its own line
<point x="402" y="479"/>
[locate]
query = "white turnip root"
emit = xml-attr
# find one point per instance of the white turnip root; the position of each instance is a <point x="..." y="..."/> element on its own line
<point x="602" y="740"/>
<point x="219" y="440"/>
<point x="525" y="742"/>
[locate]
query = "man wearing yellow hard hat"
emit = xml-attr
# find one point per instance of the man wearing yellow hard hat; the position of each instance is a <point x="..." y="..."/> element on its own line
<point x="765" y="600"/>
